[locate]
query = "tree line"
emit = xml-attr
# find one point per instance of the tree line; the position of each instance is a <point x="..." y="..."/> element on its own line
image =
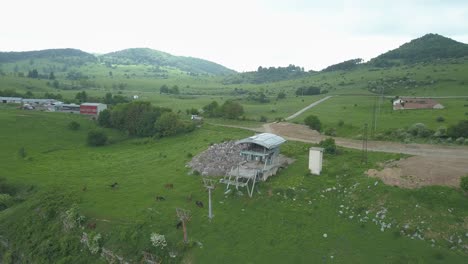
<point x="142" y="119"/>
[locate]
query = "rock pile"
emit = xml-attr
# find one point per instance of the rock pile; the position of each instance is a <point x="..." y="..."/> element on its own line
<point x="217" y="160"/>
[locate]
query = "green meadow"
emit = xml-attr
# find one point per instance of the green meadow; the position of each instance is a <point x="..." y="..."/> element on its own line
<point x="335" y="217"/>
<point x="355" y="111"/>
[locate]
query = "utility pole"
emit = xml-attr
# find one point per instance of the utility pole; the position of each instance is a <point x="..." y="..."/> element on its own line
<point x="209" y="185"/>
<point x="364" y="145"/>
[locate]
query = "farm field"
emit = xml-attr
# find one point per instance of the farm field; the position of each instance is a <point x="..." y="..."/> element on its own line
<point x="341" y="216"/>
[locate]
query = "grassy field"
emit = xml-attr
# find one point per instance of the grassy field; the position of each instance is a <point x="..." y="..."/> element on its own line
<point x="355" y="111"/>
<point x="289" y="225"/>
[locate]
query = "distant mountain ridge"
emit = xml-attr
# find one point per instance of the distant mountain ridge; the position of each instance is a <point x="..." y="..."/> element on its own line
<point x="14" y="56"/>
<point x="429" y="47"/>
<point x="128" y="56"/>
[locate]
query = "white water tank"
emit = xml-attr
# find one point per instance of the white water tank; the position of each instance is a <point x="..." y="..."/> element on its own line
<point x="315" y="160"/>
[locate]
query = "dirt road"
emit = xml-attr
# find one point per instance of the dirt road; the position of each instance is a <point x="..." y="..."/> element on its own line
<point x="431" y="164"/>
<point x="307" y="108"/>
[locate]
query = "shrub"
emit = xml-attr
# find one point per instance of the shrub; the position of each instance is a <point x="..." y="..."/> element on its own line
<point x="460" y="140"/>
<point x="313" y="122"/>
<point x="22" y="153"/>
<point x="97" y="138"/>
<point x="440" y="119"/>
<point x="340" y="123"/>
<point x="328" y="145"/>
<point x="73" y="125"/>
<point x="330" y="131"/>
<point x="440" y="132"/>
<point x="459" y="130"/>
<point x="419" y="130"/>
<point x="464" y="183"/>
<point x="263" y="119"/>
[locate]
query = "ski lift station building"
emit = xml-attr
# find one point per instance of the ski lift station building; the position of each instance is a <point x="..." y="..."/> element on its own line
<point x="260" y="156"/>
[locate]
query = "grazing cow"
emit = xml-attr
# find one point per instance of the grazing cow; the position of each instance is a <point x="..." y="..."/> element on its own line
<point x="160" y="198"/>
<point x="169" y="186"/>
<point x="199" y="204"/>
<point x="91" y="225"/>
<point x="179" y="225"/>
<point x="114" y="185"/>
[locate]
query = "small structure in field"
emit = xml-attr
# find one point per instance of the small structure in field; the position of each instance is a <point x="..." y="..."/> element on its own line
<point x="196" y="118"/>
<point x="260" y="160"/>
<point x="315" y="160"/>
<point x="92" y="108"/>
<point x="406" y="103"/>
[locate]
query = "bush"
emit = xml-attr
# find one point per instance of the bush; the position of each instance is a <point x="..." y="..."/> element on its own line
<point x="459" y="130"/>
<point x="263" y="119"/>
<point x="464" y="183"/>
<point x="22" y="153"/>
<point x="330" y="132"/>
<point x="460" y="140"/>
<point x="329" y="146"/>
<point x="97" y="138"/>
<point x="73" y="125"/>
<point x="340" y="123"/>
<point x="419" y="130"/>
<point x="313" y="122"/>
<point x="440" y="119"/>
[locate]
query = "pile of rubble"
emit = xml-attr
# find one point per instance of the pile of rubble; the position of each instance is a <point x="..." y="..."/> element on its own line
<point x="217" y="160"/>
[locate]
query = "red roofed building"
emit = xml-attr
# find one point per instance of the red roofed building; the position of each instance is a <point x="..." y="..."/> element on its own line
<point x="416" y="103"/>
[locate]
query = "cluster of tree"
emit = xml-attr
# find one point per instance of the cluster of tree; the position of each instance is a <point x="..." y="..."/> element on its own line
<point x="258" y="97"/>
<point x="29" y="94"/>
<point x="164" y="89"/>
<point x="311" y="90"/>
<point x="344" y="66"/>
<point x="281" y="95"/>
<point x="230" y="110"/>
<point x="114" y="99"/>
<point x="108" y="99"/>
<point x="13" y="93"/>
<point x="141" y="119"/>
<point x="264" y="75"/>
<point x="76" y="75"/>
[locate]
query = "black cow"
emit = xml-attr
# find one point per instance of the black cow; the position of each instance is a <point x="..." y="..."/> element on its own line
<point x="160" y="198"/>
<point x="199" y="204"/>
<point x="179" y="225"/>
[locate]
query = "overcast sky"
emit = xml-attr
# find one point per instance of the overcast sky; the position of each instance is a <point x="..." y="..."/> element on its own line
<point x="239" y="34"/>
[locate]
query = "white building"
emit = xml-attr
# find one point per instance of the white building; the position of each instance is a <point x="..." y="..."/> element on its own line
<point x="315" y="160"/>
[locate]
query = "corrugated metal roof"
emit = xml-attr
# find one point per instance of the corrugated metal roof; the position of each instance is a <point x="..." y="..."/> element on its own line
<point x="92" y="104"/>
<point x="11" y="98"/>
<point x="266" y="140"/>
